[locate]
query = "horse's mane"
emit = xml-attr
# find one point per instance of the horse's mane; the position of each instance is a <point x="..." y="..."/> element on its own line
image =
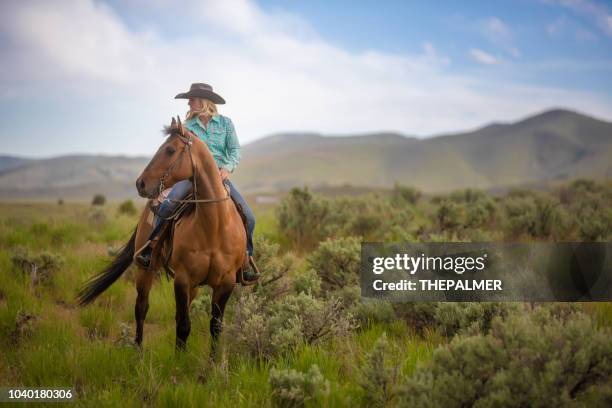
<point x="173" y="130"/>
<point x="169" y="131"/>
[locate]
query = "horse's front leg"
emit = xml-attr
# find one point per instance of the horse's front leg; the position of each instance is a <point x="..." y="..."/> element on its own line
<point x="183" y="323"/>
<point x="220" y="296"/>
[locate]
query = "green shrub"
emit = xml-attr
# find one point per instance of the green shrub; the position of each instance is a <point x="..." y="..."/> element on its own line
<point x="366" y="311"/>
<point x="127" y="207"/>
<point x="126" y="338"/>
<point x="469" y="317"/>
<point x="468" y="196"/>
<point x="40" y="269"/>
<point x="451" y="318"/>
<point x="480" y="213"/>
<point x="365" y="224"/>
<point x="531" y="359"/>
<point x="24" y="328"/>
<point x="593" y="215"/>
<point x="588" y="202"/>
<point x="520" y="215"/>
<point x="201" y="305"/>
<point x="275" y="269"/>
<point x="418" y="315"/>
<point x="304" y="218"/>
<point x="314" y="319"/>
<point x="578" y="189"/>
<point x="337" y="261"/>
<point x="307" y="282"/>
<point x="547" y="215"/>
<point x="264" y="330"/>
<point x="594" y="225"/>
<point x="533" y="214"/>
<point x="402" y="195"/>
<point x="361" y="216"/>
<point x="98" y="199"/>
<point x="291" y="388"/>
<point x="248" y="328"/>
<point x="308" y="219"/>
<point x="448" y="216"/>
<point x="380" y="374"/>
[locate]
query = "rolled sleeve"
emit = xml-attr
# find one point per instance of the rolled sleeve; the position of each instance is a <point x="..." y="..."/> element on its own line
<point x="232" y="147"/>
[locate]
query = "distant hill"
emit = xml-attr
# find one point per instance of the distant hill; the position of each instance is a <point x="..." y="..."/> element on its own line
<point x="552" y="146"/>
<point x="9" y="163"/>
<point x="72" y="177"/>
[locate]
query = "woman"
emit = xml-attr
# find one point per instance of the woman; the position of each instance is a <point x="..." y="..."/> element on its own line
<point x="218" y="132"/>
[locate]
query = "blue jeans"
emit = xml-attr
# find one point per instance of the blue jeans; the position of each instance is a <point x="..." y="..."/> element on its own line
<point x="180" y="190"/>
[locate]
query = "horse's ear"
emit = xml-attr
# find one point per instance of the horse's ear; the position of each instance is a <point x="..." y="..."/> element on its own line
<point x="173" y="124"/>
<point x="180" y="125"/>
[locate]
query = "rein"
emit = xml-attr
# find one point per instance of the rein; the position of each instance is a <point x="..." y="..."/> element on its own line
<point x="188" y="142"/>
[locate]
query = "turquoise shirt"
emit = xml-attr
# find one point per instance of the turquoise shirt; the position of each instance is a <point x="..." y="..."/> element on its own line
<point x="220" y="137"/>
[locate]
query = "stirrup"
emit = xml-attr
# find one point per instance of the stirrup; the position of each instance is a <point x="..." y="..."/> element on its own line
<point x="149" y="246"/>
<point x="140" y="259"/>
<point x="245" y="267"/>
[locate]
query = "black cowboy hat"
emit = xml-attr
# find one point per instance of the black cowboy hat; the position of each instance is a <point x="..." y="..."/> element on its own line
<point x="201" y="91"/>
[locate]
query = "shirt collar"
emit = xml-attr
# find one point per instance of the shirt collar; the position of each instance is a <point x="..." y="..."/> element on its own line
<point x="214" y="118"/>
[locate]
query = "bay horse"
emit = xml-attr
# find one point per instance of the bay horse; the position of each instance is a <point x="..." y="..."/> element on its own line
<point x="209" y="244"/>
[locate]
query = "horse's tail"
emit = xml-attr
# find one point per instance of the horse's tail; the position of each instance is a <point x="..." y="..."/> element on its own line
<point x="99" y="283"/>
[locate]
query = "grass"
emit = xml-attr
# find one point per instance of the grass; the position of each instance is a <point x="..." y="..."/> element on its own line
<point x="83" y="349"/>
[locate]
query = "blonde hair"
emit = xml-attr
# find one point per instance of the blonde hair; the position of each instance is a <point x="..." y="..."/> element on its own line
<point x="209" y="109"/>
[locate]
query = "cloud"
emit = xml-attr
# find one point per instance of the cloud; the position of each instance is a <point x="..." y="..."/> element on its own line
<point x="563" y="26"/>
<point x="499" y="33"/>
<point x="78" y="38"/>
<point x="497" y="28"/>
<point x="598" y="13"/>
<point x="482" y="57"/>
<point x="274" y="69"/>
<point x="556" y="27"/>
<point x="584" y="35"/>
<point x="433" y="55"/>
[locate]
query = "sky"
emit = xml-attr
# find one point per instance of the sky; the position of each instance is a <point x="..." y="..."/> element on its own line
<point x="84" y="76"/>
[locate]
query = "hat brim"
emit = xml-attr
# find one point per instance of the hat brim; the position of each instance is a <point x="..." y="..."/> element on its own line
<point x="201" y="93"/>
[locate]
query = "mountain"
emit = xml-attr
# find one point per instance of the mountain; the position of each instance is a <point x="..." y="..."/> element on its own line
<point x="9" y="163"/>
<point x="554" y="145"/>
<point x="79" y="176"/>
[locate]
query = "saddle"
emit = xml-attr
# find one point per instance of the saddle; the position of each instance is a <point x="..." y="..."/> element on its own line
<point x="166" y="236"/>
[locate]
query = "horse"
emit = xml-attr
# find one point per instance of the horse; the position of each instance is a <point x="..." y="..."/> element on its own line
<point x="208" y="245"/>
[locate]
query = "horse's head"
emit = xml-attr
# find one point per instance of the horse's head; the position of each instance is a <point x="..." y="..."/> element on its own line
<point x="170" y="164"/>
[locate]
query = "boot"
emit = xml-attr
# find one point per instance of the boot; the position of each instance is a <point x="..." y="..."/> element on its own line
<point x="144" y="256"/>
<point x="250" y="272"/>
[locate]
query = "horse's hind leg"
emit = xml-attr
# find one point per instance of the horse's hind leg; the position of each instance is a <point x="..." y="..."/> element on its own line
<point x="144" y="281"/>
<point x="220" y="296"/>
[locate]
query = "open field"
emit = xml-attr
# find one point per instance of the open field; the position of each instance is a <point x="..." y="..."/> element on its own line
<point x="48" y="342"/>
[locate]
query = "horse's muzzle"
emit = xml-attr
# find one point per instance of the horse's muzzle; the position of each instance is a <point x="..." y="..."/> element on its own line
<point x="141" y="186"/>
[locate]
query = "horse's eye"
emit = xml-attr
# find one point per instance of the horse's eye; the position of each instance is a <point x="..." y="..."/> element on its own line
<point x="170" y="150"/>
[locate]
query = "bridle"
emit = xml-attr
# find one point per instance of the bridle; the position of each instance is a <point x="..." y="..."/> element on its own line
<point x="188" y="142"/>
